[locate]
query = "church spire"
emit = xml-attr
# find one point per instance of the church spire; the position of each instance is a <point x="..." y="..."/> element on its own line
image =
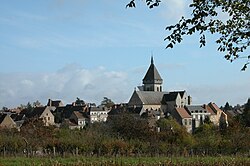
<point x="152" y="80"/>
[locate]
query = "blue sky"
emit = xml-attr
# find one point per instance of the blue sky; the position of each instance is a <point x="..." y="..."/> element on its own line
<point x="63" y="49"/>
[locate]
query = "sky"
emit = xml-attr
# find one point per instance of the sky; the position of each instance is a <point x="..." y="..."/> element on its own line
<point x="64" y="49"/>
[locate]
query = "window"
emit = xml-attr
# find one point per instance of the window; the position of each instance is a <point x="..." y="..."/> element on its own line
<point x="185" y="122"/>
<point x="48" y="118"/>
<point x="190" y="122"/>
<point x="158" y="89"/>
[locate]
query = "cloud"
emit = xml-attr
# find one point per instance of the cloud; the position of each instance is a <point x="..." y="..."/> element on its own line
<point x="174" y="9"/>
<point x="220" y="93"/>
<point x="67" y="83"/>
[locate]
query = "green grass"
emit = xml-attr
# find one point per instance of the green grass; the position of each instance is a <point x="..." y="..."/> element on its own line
<point x="123" y="161"/>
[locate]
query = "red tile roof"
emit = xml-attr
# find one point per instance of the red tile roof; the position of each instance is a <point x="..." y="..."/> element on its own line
<point x="183" y="113"/>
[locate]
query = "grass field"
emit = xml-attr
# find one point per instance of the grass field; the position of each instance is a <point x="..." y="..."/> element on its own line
<point x="123" y="161"/>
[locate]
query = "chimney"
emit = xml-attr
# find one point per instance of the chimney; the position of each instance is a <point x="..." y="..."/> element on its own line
<point x="49" y="102"/>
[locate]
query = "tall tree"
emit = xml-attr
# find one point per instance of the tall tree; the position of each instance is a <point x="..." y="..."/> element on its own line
<point x="37" y="104"/>
<point x="79" y="102"/>
<point x="234" y="32"/>
<point x="227" y="106"/>
<point x="107" y="102"/>
<point x="246" y="114"/>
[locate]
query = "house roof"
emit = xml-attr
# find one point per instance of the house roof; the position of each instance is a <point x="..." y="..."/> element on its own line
<point x="183" y="113"/>
<point x="7" y="118"/>
<point x="150" y="97"/>
<point x="37" y="112"/>
<point x="135" y="110"/>
<point x="2" y="116"/>
<point x="55" y="103"/>
<point x="196" y="109"/>
<point x="79" y="115"/>
<point x="212" y="108"/>
<point x="99" y="108"/>
<point x="170" y="96"/>
<point x="152" y="74"/>
<point x="180" y="92"/>
<point x="70" y="122"/>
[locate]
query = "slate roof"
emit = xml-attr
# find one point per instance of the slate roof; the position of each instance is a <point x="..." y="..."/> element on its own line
<point x="69" y="109"/>
<point x="97" y="108"/>
<point x="55" y="103"/>
<point x="211" y="108"/>
<point x="150" y="97"/>
<point x="135" y="110"/>
<point x="37" y="112"/>
<point x="79" y="115"/>
<point x="152" y="75"/>
<point x="183" y="113"/>
<point x="180" y="92"/>
<point x="2" y="116"/>
<point x="170" y="97"/>
<point x="196" y="109"/>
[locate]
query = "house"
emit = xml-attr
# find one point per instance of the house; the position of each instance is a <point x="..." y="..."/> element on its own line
<point x="6" y="121"/>
<point x="78" y="120"/>
<point x="64" y="112"/>
<point x="198" y="114"/>
<point x="55" y="103"/>
<point x="44" y="113"/>
<point x="175" y="99"/>
<point x="217" y="116"/>
<point x="98" y="114"/>
<point x="183" y="118"/>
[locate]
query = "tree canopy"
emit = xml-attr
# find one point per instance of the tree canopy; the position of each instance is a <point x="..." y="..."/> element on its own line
<point x="234" y="32"/>
<point x="107" y="102"/>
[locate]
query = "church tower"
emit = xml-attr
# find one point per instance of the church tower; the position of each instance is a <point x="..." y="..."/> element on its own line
<point x="152" y="80"/>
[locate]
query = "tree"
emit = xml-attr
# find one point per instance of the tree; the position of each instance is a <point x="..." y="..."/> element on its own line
<point x="129" y="126"/>
<point x="246" y="114"/>
<point x="107" y="102"/>
<point x="234" y="33"/>
<point x="79" y="102"/>
<point x="37" y="104"/>
<point x="4" y="109"/>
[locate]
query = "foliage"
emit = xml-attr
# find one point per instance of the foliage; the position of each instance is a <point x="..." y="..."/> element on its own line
<point x="129" y="126"/>
<point x="37" y="104"/>
<point x="174" y="133"/>
<point x="79" y="102"/>
<point x="207" y="138"/>
<point x="124" y="135"/>
<point x="227" y="107"/>
<point x="234" y="33"/>
<point x="107" y="102"/>
<point x="246" y="114"/>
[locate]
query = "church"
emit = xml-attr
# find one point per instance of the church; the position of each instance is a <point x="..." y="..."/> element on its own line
<point x="152" y="100"/>
<point x="150" y="96"/>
